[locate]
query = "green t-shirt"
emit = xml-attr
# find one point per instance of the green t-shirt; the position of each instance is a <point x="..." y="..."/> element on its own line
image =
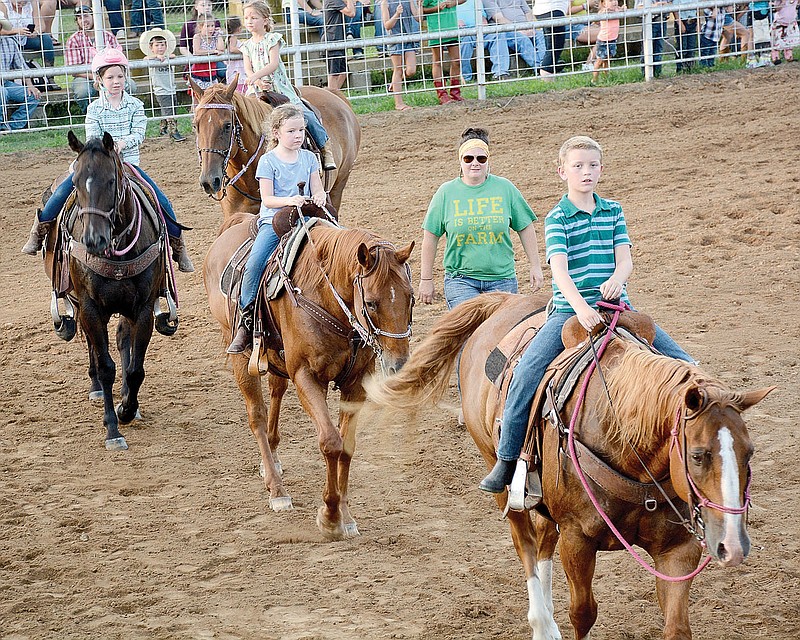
<point x="443" y="20"/>
<point x="477" y="222"/>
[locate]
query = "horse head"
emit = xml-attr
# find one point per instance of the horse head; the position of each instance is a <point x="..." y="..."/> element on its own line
<point x="384" y="300"/>
<point x="710" y="466"/>
<point x="97" y="177"/>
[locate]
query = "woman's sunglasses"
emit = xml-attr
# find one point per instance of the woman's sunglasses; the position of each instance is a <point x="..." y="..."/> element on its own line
<point x="480" y="159"/>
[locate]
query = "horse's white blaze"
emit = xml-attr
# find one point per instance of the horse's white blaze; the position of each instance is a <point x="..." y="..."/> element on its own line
<point x="392" y="295"/>
<point x="541" y="620"/>
<point x="88" y="185"/>
<point x="730" y="488"/>
<point x="545" y="570"/>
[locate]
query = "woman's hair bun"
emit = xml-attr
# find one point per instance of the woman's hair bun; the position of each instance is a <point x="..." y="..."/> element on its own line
<point x="475" y="133"/>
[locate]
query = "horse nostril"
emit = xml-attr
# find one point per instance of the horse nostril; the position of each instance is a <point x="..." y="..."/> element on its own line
<point x="722" y="552"/>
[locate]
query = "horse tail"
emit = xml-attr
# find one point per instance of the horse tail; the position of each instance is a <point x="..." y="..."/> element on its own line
<point x="426" y="376"/>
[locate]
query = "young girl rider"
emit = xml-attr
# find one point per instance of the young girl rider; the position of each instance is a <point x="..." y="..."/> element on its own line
<point x="279" y="170"/>
<point x="122" y="116"/>
<point x="261" y="55"/>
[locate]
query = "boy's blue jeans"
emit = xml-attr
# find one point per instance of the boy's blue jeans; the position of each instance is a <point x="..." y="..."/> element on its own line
<point x="315" y="128"/>
<point x="530" y="371"/>
<point x="458" y="289"/>
<point x="265" y="243"/>
<point x="56" y="202"/>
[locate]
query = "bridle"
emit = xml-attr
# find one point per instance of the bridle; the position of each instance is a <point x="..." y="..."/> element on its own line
<point x="236" y="138"/>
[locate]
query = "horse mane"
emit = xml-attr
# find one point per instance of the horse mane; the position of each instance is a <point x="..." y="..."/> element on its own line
<point x="646" y="390"/>
<point x="252" y="113"/>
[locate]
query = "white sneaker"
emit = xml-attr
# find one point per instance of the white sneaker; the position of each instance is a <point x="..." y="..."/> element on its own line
<point x="121" y="35"/>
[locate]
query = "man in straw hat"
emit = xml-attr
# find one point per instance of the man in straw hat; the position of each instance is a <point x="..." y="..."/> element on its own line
<point x="159" y="44"/>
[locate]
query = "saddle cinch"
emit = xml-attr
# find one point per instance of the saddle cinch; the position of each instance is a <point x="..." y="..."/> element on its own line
<point x="560" y="381"/>
<point x="61" y="247"/>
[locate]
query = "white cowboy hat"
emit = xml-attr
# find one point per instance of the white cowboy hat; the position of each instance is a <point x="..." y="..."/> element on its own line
<point x="147" y="36"/>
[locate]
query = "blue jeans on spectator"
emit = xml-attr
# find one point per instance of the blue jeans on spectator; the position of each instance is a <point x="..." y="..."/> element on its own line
<point x="497" y="46"/>
<point x="116" y="16"/>
<point x="42" y="43"/>
<point x="352" y="26"/>
<point x="708" y="52"/>
<point x="146" y="14"/>
<point x="306" y="18"/>
<point x="458" y="289"/>
<point x="554" y="41"/>
<point x="688" y="44"/>
<point x="83" y="90"/>
<point x="56" y="203"/>
<point x="12" y="93"/>
<point x="659" y="31"/>
<point x="265" y="244"/>
<point x="529" y="373"/>
<point x="531" y="50"/>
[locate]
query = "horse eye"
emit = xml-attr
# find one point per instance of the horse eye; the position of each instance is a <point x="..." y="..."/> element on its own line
<point x="698" y="457"/>
<point x="372" y="306"/>
<point x="227" y="126"/>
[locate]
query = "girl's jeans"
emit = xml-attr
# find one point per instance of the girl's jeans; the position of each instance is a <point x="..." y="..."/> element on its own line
<point x="458" y="289"/>
<point x="542" y="350"/>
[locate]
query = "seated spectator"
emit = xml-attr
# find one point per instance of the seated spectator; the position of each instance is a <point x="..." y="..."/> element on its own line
<point x="26" y="23"/>
<point x="47" y="13"/>
<point x="186" y="39"/>
<point x="528" y="43"/>
<point x="495" y="43"/>
<point x="146" y="14"/>
<point x="12" y="93"/>
<point x="81" y="49"/>
<point x="309" y="13"/>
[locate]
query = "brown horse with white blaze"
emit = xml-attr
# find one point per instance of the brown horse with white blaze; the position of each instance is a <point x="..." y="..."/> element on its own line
<point x="653" y="421"/>
<point x="348" y="303"/>
<point x="231" y="139"/>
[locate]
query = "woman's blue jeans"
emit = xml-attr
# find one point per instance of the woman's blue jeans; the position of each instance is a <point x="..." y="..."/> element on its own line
<point x="528" y="375"/>
<point x="265" y="243"/>
<point x="56" y="203"/>
<point x="458" y="289"/>
<point x="44" y="44"/>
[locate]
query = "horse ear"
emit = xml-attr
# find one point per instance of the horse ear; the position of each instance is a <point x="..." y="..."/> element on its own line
<point x="404" y="253"/>
<point x="108" y="142"/>
<point x="74" y="144"/>
<point x="749" y="398"/>
<point x="231" y="88"/>
<point x="695" y="399"/>
<point x="196" y="90"/>
<point x="365" y="258"/>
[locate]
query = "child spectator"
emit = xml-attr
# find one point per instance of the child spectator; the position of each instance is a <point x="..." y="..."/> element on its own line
<point x="234" y="28"/>
<point x="159" y="44"/>
<point x="25" y="94"/>
<point x="401" y="17"/>
<point x="581" y="278"/>
<point x="186" y="38"/>
<point x="710" y="35"/>
<point x="606" y="47"/>
<point x="784" y="33"/>
<point x="206" y="42"/>
<point x="335" y="13"/>
<point x="261" y="55"/>
<point x="443" y="16"/>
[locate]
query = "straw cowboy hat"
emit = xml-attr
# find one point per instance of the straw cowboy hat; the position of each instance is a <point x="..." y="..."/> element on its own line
<point x="147" y="36"/>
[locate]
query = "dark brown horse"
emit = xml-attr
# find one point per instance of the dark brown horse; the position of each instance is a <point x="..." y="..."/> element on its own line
<point x="350" y="302"/>
<point x="230" y="141"/>
<point x="684" y="426"/>
<point x="117" y="265"/>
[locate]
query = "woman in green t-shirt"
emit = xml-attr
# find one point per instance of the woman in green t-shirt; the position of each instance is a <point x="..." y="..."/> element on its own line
<point x="476" y="212"/>
<point x="441" y="15"/>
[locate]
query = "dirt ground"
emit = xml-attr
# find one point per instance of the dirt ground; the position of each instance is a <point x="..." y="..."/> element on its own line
<point x="174" y="538"/>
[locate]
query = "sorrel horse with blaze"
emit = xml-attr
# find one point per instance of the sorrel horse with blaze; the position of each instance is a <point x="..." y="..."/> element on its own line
<point x="350" y="303"/>
<point x="648" y="418"/>
<point x="117" y="265"/>
<point x="231" y="139"/>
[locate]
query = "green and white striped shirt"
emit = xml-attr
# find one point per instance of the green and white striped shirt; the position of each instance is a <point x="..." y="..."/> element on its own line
<point x="126" y="124"/>
<point x="588" y="240"/>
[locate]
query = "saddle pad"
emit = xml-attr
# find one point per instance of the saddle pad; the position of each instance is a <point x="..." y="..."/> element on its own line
<point x="513" y="343"/>
<point x="235" y="265"/>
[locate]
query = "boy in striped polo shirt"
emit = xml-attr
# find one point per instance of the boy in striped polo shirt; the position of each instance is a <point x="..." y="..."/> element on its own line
<point x="589" y="252"/>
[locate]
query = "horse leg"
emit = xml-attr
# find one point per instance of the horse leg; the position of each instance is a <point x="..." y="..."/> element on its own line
<point x="579" y="558"/>
<point x="133" y="338"/>
<point x="352" y="399"/>
<point x="277" y="389"/>
<point x="540" y="611"/>
<point x="95" y="389"/>
<point x="312" y="396"/>
<point x="546" y="541"/>
<point x="673" y="597"/>
<point x="257" y="415"/>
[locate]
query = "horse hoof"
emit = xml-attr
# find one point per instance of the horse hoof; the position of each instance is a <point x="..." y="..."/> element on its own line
<point x="330" y="531"/>
<point x="136" y="416"/>
<point x="278" y="467"/>
<point x="96" y="396"/>
<point x="116" y="444"/>
<point x="351" y="530"/>
<point x="281" y="504"/>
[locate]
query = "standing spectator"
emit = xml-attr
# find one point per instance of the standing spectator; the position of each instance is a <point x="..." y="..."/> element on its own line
<point x="188" y="30"/>
<point x="335" y="13"/>
<point x="353" y="27"/>
<point x="529" y="43"/>
<point x="159" y="44"/>
<point x="784" y="33"/>
<point x="606" y="47"/>
<point x="26" y="23"/>
<point x="401" y="17"/>
<point x="554" y="36"/>
<point x="235" y="30"/>
<point x="687" y="36"/>
<point x="25" y="95"/>
<point x="658" y="31"/>
<point x="81" y="49"/>
<point x="495" y="43"/>
<point x="146" y="14"/>
<point x="443" y="16"/>
<point x="309" y="13"/>
<point x="710" y="35"/>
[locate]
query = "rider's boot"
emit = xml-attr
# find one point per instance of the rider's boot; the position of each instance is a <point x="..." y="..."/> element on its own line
<point x="180" y="254"/>
<point x="328" y="161"/>
<point x="244" y="333"/>
<point x="499" y="477"/>
<point x="39" y="232"/>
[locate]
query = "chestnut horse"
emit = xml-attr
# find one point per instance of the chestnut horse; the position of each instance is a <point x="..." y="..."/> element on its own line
<point x="117" y="265"/>
<point x="684" y="426"/>
<point x="230" y="141"/>
<point x="363" y="284"/>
